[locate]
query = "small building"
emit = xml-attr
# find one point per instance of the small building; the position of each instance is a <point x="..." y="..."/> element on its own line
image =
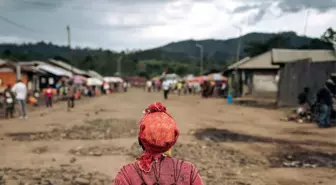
<point x="51" y="74"/>
<point x="308" y="68"/>
<point x="255" y="76"/>
<point x="259" y="75"/>
<point x="28" y="74"/>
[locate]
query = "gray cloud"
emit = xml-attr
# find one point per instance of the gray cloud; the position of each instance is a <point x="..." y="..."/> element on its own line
<point x="286" y="6"/>
<point x="47" y="19"/>
<point x="117" y="24"/>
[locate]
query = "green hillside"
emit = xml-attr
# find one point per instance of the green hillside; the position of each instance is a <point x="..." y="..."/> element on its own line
<point x="181" y="57"/>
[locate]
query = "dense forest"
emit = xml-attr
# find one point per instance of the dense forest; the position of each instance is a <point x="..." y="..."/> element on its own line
<point x="179" y="57"/>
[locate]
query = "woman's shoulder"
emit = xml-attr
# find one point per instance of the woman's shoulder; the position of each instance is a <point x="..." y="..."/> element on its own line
<point x="180" y="163"/>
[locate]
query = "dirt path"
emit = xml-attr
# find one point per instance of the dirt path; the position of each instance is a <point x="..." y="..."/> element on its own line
<point x="230" y="144"/>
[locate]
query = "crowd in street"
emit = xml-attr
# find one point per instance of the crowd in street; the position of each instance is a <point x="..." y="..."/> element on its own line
<point x="68" y="91"/>
<point x="182" y="87"/>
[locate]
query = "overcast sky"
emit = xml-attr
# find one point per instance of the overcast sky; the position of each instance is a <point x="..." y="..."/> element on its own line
<point x="141" y="24"/>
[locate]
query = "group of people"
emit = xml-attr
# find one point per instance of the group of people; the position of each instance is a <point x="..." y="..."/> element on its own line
<point x="18" y="94"/>
<point x="169" y="87"/>
<point x="207" y="88"/>
<point x="321" y="110"/>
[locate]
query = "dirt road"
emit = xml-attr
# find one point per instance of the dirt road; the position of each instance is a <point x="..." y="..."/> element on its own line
<point x="230" y="144"/>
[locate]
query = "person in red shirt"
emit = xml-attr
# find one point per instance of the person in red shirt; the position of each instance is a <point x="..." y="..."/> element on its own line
<point x="158" y="132"/>
<point x="48" y="93"/>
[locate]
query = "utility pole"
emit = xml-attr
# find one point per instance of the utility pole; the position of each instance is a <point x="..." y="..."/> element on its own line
<point x="239" y="41"/>
<point x="18" y="70"/>
<point x="69" y="46"/>
<point x="237" y="59"/>
<point x="119" y="64"/>
<point x="306" y="22"/>
<point x="201" y="57"/>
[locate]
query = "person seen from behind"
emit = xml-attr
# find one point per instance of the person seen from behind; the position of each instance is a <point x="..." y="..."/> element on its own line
<point x="153" y="86"/>
<point x="165" y="87"/>
<point x="20" y="91"/>
<point x="149" y="85"/>
<point x="324" y="98"/>
<point x="158" y="132"/>
<point x="179" y="87"/>
<point x="9" y="98"/>
<point x="48" y="95"/>
<point x="125" y="86"/>
<point x="158" y="85"/>
<point x="71" y="95"/>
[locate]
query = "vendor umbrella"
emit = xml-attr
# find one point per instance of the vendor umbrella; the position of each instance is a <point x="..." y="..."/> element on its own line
<point x="94" y="82"/>
<point x="217" y="77"/>
<point x="77" y="79"/>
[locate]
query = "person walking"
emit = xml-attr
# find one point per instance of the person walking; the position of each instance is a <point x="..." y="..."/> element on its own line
<point x="9" y="98"/>
<point x="324" y="98"/>
<point x="20" y="91"/>
<point x="48" y="95"/>
<point x="165" y="87"/>
<point x="71" y="95"/>
<point x="125" y="86"/>
<point x="179" y="86"/>
<point x="149" y="86"/>
<point x="158" y="133"/>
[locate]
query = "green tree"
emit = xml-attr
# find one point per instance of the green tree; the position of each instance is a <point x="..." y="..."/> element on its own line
<point x="329" y="35"/>
<point x="88" y="63"/>
<point x="256" y="48"/>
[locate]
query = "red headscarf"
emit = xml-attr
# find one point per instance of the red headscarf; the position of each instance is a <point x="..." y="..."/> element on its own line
<point x="158" y="133"/>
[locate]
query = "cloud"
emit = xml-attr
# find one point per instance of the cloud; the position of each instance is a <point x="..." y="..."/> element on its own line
<point x="262" y="7"/>
<point x="134" y="24"/>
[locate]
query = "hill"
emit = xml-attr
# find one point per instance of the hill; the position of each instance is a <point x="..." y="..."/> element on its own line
<point x="224" y="50"/>
<point x="181" y="57"/>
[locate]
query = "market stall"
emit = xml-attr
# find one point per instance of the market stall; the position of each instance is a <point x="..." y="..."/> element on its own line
<point x="94" y="82"/>
<point x="216" y="77"/>
<point x="114" y="83"/>
<point x="79" y="80"/>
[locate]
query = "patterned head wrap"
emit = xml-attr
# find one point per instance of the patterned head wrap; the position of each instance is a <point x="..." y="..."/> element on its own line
<point x="158" y="133"/>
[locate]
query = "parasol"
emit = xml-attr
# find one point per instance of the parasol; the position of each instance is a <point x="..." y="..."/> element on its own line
<point x="77" y="79"/>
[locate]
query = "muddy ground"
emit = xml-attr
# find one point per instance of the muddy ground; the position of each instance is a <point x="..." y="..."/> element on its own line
<point x="230" y="144"/>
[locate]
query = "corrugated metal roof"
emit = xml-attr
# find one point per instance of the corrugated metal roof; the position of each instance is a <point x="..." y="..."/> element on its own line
<point x="94" y="74"/>
<point x="291" y="55"/>
<point x="236" y="64"/>
<point x="54" y="70"/>
<point x="67" y="66"/>
<point x="32" y="63"/>
<point x="262" y="61"/>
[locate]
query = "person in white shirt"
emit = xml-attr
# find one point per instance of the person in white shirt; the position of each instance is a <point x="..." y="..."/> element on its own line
<point x="165" y="87"/>
<point x="125" y="86"/>
<point x="149" y="86"/>
<point x="20" y="91"/>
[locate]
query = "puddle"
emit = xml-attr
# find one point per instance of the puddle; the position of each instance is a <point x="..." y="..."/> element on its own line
<point x="257" y="104"/>
<point x="296" y="157"/>
<point x="222" y="135"/>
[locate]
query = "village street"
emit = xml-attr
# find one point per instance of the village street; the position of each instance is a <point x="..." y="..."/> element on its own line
<point x="230" y="144"/>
